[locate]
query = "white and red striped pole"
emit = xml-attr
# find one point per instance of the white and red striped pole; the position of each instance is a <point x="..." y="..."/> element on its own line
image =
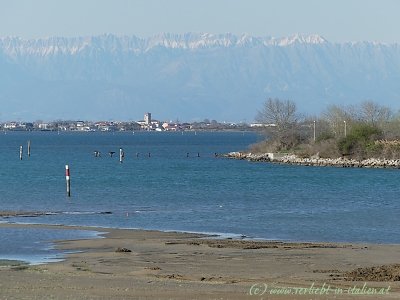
<point x="68" y="182"/>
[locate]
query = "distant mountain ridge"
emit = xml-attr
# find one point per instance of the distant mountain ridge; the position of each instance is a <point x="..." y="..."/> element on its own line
<point x="191" y="76"/>
<point x="109" y="42"/>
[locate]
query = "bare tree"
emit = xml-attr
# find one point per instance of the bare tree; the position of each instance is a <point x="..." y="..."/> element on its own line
<point x="280" y="118"/>
<point x="374" y="113"/>
<point x="366" y="112"/>
<point x="322" y="127"/>
<point x="337" y="115"/>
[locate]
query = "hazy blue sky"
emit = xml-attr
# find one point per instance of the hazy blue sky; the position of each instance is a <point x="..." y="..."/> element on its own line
<point x="335" y="20"/>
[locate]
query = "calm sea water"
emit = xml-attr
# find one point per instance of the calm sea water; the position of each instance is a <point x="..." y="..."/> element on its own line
<point x="170" y="191"/>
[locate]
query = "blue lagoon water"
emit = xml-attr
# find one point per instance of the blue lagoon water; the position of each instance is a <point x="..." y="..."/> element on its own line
<point x="170" y="191"/>
<point x="34" y="245"/>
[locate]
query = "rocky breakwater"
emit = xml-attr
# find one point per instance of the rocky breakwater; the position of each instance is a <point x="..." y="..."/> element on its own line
<point x="291" y="159"/>
<point x="248" y="156"/>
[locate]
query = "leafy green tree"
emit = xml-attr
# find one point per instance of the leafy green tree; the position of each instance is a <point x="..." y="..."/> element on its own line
<point x="360" y="137"/>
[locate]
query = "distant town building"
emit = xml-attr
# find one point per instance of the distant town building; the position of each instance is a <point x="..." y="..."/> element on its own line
<point x="147" y="118"/>
<point x="44" y="126"/>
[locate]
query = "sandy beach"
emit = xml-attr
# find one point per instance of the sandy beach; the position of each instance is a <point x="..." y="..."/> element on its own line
<point x="139" y="264"/>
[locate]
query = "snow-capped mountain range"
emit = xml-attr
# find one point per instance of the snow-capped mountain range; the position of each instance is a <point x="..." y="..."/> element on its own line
<point x="191" y="76"/>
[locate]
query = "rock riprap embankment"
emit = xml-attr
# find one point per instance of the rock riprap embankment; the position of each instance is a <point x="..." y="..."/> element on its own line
<point x="291" y="159"/>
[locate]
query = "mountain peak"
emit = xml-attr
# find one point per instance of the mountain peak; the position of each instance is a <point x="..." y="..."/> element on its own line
<point x="301" y="39"/>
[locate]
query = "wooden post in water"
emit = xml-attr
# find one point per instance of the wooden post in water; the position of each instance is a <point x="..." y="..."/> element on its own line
<point x="29" y="148"/>
<point x="20" y="152"/>
<point x="121" y="155"/>
<point x="68" y="181"/>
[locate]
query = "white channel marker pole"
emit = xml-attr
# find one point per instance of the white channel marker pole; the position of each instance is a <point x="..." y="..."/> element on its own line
<point x="121" y="155"/>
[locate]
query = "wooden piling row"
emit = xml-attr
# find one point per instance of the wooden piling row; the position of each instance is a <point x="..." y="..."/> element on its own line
<point x="121" y="154"/>
<point x="21" y="149"/>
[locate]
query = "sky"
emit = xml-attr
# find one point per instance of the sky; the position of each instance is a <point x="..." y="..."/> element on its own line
<point x="335" y="20"/>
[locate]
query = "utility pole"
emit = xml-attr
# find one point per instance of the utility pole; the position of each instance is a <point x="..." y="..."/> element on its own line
<point x="314" y="130"/>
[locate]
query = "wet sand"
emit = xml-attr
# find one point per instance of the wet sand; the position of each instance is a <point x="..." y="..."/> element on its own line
<point x="170" y="265"/>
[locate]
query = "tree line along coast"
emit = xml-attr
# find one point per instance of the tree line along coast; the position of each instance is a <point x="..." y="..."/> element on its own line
<point x="362" y="135"/>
